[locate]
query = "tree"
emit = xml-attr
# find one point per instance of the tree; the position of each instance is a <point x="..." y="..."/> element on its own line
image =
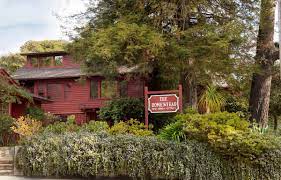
<point x="43" y="46"/>
<point x="266" y="54"/>
<point x="175" y="41"/>
<point x="10" y="93"/>
<point x="12" y="62"/>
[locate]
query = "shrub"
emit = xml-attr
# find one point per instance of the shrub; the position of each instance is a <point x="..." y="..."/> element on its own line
<point x="62" y="127"/>
<point x="6" y="122"/>
<point x="124" y="108"/>
<point x="130" y="127"/>
<point x="26" y="126"/>
<point x="225" y="132"/>
<point x="91" y="155"/>
<point x="95" y="126"/>
<point x="35" y="113"/>
<point x="239" y="106"/>
<point x="173" y="131"/>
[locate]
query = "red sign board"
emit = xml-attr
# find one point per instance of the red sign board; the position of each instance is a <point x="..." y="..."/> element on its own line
<point x="164" y="103"/>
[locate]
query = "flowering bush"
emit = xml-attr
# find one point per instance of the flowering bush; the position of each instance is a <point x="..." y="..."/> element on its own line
<point x="130" y="127"/>
<point x="26" y="126"/>
<point x="91" y="155"/>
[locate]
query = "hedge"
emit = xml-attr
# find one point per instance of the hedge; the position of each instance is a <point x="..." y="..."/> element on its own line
<point x="91" y="155"/>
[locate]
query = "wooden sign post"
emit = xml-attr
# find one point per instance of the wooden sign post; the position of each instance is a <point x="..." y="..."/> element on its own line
<point x="162" y="102"/>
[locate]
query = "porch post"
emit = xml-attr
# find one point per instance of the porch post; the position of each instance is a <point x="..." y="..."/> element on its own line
<point x="180" y="98"/>
<point x="146" y="106"/>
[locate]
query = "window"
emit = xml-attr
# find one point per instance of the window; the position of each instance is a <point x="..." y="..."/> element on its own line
<point x="58" y="60"/>
<point x="29" y="85"/>
<point x="136" y="88"/>
<point x="108" y="89"/>
<point x="46" y="61"/>
<point x="4" y="108"/>
<point x="123" y="87"/>
<point x="67" y="91"/>
<point x="34" y="62"/>
<point x="54" y="91"/>
<point x="41" y="88"/>
<point x="94" y="89"/>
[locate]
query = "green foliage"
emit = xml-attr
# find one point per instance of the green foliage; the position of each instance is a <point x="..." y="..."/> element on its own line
<point x="36" y="113"/>
<point x="43" y="46"/>
<point x="6" y="122"/>
<point x="123" y="108"/>
<point x="173" y="131"/>
<point x="12" y="62"/>
<point x="163" y="34"/>
<point x="236" y="105"/>
<point x="211" y="100"/>
<point x="123" y="43"/>
<point x="62" y="127"/>
<point x="225" y="132"/>
<point x="159" y="120"/>
<point x="130" y="127"/>
<point x="10" y="93"/>
<point x="92" y="155"/>
<point x="95" y="126"/>
<point x="275" y="97"/>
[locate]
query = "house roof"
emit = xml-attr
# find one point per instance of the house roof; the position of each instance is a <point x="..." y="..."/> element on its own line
<point x="40" y="98"/>
<point x="43" y="53"/>
<point x="6" y="75"/>
<point x="53" y="73"/>
<point x="46" y="73"/>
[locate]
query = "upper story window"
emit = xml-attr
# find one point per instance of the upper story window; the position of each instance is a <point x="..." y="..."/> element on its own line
<point x="123" y="88"/>
<point x="54" y="91"/>
<point x="58" y="60"/>
<point x="48" y="61"/>
<point x="67" y="91"/>
<point x="103" y="89"/>
<point x="41" y="89"/>
<point x="94" y="89"/>
<point x="109" y="89"/>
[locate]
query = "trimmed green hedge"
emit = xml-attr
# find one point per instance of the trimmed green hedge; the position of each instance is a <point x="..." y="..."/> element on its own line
<point x="89" y="155"/>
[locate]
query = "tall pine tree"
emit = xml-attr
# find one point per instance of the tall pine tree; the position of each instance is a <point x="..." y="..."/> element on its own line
<point x="174" y="41"/>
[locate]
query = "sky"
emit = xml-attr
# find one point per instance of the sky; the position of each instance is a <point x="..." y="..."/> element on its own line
<point x="23" y="20"/>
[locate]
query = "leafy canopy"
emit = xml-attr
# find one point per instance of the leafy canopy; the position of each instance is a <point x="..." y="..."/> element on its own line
<point x="200" y="40"/>
<point x="43" y="46"/>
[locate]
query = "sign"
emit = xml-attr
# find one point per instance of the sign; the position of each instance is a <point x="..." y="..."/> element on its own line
<point x="168" y="101"/>
<point x="165" y="103"/>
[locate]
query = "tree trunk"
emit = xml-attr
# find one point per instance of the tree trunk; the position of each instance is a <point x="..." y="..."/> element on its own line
<point x="189" y="91"/>
<point x="261" y="82"/>
<point x="192" y="97"/>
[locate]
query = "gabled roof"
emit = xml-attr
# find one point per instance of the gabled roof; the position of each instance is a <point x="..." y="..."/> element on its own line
<point x="4" y="74"/>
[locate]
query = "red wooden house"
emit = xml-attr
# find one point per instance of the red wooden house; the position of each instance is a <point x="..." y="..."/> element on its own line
<point x="18" y="108"/>
<point x="56" y="79"/>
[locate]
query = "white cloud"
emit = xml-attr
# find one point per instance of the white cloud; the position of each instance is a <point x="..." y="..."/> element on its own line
<point x="23" y="20"/>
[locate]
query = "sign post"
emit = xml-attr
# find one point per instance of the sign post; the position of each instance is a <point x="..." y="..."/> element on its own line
<point x="162" y="102"/>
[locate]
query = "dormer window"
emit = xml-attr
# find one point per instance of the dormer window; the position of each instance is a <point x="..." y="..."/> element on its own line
<point x="46" y="61"/>
<point x="58" y="60"/>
